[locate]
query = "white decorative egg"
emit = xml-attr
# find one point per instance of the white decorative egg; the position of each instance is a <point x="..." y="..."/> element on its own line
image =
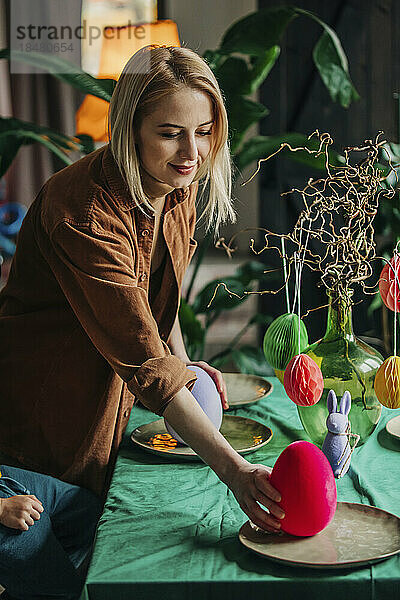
<point x="207" y="396"/>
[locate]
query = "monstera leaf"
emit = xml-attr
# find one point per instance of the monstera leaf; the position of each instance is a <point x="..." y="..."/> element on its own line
<point x="14" y="133"/>
<point x="65" y="71"/>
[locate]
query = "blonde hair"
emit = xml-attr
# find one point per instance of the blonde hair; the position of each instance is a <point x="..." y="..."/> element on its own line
<point x="149" y="75"/>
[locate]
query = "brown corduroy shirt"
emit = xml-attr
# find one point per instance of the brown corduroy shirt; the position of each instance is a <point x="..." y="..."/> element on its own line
<point x="78" y="337"/>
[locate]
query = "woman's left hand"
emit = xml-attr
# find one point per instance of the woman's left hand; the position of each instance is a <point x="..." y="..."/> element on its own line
<point x="217" y="377"/>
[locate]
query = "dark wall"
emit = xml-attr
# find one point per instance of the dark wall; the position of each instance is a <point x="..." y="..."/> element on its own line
<point x="298" y="101"/>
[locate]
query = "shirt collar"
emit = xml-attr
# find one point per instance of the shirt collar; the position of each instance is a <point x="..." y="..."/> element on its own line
<point x="121" y="191"/>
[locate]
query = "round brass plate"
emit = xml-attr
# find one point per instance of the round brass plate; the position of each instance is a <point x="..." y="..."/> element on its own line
<point x="393" y="427"/>
<point x="244" y="435"/>
<point x="358" y="535"/>
<point x="244" y="389"/>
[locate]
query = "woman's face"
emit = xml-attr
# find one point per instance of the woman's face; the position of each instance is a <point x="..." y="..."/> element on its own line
<point x="174" y="140"/>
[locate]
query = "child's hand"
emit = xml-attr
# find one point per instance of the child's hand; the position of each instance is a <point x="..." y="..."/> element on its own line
<point x="19" y="512"/>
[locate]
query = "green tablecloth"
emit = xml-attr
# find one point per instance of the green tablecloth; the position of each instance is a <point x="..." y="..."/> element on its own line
<point x="170" y="529"/>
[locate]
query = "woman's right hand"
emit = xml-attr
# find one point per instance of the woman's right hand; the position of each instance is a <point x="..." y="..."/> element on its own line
<point x="251" y="487"/>
<point x="249" y="483"/>
<point x="19" y="512"/>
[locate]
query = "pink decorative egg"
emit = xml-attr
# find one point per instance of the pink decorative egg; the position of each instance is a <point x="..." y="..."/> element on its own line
<point x="304" y="478"/>
<point x="303" y="381"/>
<point x="389" y="286"/>
<point x="207" y="396"/>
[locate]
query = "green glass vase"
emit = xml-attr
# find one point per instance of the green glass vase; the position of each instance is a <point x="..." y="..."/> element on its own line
<point x="346" y="363"/>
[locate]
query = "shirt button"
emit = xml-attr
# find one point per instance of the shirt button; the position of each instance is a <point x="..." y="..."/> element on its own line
<point x="143" y="277"/>
<point x="145" y="232"/>
<point x="126" y="413"/>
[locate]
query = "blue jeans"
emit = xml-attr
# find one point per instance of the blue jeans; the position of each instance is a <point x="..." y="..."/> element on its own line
<point x="43" y="561"/>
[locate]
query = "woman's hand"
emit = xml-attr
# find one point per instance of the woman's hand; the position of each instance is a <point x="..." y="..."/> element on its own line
<point x="177" y="347"/>
<point x="251" y="487"/>
<point x="249" y="483"/>
<point x="217" y="377"/>
<point x="19" y="512"/>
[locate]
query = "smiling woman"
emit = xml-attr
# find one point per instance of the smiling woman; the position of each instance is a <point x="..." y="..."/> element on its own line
<point x="88" y="318"/>
<point x="170" y="154"/>
<point x="178" y="99"/>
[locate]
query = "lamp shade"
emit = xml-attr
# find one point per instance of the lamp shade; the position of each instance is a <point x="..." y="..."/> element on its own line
<point x="119" y="44"/>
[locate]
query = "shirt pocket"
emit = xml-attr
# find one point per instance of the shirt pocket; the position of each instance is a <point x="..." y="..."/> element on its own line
<point x="192" y="248"/>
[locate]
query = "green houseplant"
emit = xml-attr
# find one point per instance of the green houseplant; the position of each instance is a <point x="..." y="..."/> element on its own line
<point x="255" y="38"/>
<point x="248" y="51"/>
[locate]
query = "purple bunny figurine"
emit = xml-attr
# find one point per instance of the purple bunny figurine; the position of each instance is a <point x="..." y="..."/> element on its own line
<point x="336" y="446"/>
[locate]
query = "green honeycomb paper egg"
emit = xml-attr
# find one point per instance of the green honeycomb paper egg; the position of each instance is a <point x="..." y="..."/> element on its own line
<point x="281" y="340"/>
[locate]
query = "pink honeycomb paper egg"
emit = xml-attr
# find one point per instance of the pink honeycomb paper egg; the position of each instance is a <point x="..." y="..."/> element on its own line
<point x="303" y="381"/>
<point x="389" y="286"/>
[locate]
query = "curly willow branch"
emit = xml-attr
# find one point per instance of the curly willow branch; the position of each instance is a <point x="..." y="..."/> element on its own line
<point x="338" y="216"/>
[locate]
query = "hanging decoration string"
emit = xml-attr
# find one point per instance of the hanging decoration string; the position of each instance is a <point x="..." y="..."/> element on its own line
<point x="395" y="304"/>
<point x="285" y="273"/>
<point x="297" y="273"/>
<point x="299" y="258"/>
<point x="296" y="255"/>
<point x="299" y="268"/>
<point x="394" y="271"/>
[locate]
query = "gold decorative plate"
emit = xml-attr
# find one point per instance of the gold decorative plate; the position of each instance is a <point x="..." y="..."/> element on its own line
<point x="244" y="389"/>
<point x="358" y="535"/>
<point x="244" y="435"/>
<point x="393" y="427"/>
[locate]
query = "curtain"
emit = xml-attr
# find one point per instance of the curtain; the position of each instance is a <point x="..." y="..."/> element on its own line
<point x="5" y="91"/>
<point x="41" y="99"/>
